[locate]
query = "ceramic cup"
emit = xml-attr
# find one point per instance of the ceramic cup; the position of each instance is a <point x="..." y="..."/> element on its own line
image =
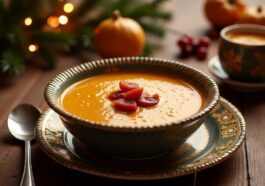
<point x="245" y="60"/>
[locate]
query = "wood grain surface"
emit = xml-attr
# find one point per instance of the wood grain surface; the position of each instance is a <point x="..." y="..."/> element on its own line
<point x="244" y="167"/>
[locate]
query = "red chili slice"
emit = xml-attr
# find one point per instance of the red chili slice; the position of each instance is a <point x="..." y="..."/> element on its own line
<point x="134" y="94"/>
<point x="146" y="100"/>
<point x="116" y="95"/>
<point x="125" y="105"/>
<point x="127" y="86"/>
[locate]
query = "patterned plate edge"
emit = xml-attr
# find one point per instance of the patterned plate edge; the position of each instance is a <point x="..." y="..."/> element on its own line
<point x="231" y="81"/>
<point x="41" y="141"/>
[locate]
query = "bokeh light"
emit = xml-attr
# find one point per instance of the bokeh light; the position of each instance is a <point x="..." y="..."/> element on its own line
<point x="28" y="21"/>
<point x="63" y="20"/>
<point x="53" y="21"/>
<point x="68" y="7"/>
<point x="33" y="48"/>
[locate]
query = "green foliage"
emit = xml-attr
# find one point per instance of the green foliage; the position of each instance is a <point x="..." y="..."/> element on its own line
<point x="149" y="49"/>
<point x="12" y="62"/>
<point x="15" y="36"/>
<point x="48" y="56"/>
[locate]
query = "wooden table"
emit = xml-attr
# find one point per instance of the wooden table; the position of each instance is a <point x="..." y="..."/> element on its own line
<point x="244" y="167"/>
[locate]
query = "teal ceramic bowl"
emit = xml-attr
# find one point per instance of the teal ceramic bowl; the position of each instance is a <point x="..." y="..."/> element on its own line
<point x="135" y="141"/>
<point x="244" y="62"/>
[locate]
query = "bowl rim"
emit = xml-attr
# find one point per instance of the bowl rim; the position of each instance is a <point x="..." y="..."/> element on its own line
<point x="244" y="26"/>
<point x="53" y="85"/>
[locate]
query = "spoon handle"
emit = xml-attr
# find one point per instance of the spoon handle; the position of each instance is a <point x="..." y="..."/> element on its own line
<point x="27" y="178"/>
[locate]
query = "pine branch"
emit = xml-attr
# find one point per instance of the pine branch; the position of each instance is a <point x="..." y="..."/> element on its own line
<point x="153" y="29"/>
<point x="83" y="40"/>
<point x="156" y="3"/>
<point x="121" y="5"/>
<point x="142" y="10"/>
<point x="84" y="7"/>
<point x="12" y="62"/>
<point x="86" y="37"/>
<point x="52" y="37"/>
<point x="149" y="49"/>
<point x="106" y="10"/>
<point x="166" y="16"/>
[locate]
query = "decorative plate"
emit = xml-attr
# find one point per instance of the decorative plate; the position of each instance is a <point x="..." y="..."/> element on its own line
<point x="218" y="72"/>
<point x="218" y="137"/>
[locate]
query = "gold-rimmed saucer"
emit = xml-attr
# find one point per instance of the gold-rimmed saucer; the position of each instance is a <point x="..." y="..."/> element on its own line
<point x="219" y="136"/>
<point x="218" y="72"/>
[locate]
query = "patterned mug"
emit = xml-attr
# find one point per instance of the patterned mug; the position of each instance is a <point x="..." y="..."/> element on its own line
<point x="242" y="52"/>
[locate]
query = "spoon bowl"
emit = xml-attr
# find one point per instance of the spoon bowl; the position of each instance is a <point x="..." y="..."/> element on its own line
<point x="21" y="123"/>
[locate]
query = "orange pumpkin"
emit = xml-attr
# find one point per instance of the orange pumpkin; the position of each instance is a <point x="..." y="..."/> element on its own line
<point x="118" y="37"/>
<point x="222" y="13"/>
<point x="254" y="15"/>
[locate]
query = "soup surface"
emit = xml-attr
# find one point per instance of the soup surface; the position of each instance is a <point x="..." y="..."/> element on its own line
<point x="247" y="38"/>
<point x="88" y="99"/>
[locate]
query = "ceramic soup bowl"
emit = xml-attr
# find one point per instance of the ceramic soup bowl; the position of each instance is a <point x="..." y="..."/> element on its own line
<point x="135" y="141"/>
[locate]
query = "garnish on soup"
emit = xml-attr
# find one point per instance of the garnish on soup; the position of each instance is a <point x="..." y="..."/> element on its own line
<point x="126" y="86"/>
<point x="166" y="98"/>
<point x="130" y="96"/>
<point x="146" y="100"/>
<point x="116" y="95"/>
<point x="134" y="94"/>
<point x="125" y="105"/>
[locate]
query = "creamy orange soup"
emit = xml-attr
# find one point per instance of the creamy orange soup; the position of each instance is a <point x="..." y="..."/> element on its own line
<point x="88" y="99"/>
<point x="247" y="38"/>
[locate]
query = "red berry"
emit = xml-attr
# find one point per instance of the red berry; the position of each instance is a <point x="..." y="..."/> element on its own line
<point x="201" y="53"/>
<point x="204" y="41"/>
<point x="186" y="51"/>
<point x="133" y="94"/>
<point x="183" y="42"/>
<point x="116" y="95"/>
<point x="126" y="86"/>
<point x="189" y="38"/>
<point x="125" y="105"/>
<point x="214" y="33"/>
<point x="147" y="100"/>
<point x="195" y="46"/>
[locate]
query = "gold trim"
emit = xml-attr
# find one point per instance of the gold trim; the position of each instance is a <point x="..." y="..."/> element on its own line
<point x="219" y="154"/>
<point x="207" y="82"/>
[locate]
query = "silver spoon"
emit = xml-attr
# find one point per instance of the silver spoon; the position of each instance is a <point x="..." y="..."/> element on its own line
<point x="21" y="123"/>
